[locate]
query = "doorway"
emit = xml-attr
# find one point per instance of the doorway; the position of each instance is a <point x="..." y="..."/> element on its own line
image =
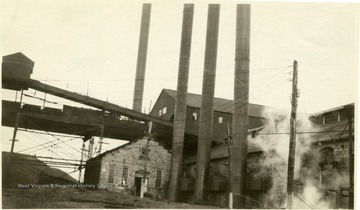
<point x="137" y="185"/>
<point x="138" y="181"/>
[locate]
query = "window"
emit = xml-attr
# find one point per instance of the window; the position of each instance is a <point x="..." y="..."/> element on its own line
<point x="164" y="110"/>
<point x="144" y="154"/>
<point x="160" y="112"/>
<point x="158" y="178"/>
<point x="221" y="119"/>
<point x="125" y="175"/>
<point x="331" y="117"/>
<point x="111" y="174"/>
<point x="326" y="155"/>
<point x="194" y="116"/>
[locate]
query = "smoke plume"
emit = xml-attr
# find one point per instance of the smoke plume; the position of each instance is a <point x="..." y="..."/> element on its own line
<point x="274" y="141"/>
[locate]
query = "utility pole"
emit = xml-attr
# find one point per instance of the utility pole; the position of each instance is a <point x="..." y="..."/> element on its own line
<point x="102" y="127"/>
<point x="292" y="146"/>
<point x="81" y="158"/>
<point x="228" y="142"/>
<point x="91" y="145"/>
<point x="146" y="158"/>
<point x="180" y="102"/>
<point x="83" y="150"/>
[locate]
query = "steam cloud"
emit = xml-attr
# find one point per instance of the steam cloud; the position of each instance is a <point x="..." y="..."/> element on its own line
<point x="274" y="141"/>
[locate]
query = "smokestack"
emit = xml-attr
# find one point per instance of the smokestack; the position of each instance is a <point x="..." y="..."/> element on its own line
<point x="207" y="102"/>
<point x="180" y="103"/>
<point x="241" y="101"/>
<point x="141" y="60"/>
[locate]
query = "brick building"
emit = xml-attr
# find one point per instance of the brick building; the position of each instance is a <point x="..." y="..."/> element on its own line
<point x="122" y="168"/>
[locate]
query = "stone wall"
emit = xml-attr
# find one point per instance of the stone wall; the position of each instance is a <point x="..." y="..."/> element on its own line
<point x="130" y="156"/>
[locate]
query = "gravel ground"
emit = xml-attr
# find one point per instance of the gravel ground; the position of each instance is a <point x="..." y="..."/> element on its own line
<point x="82" y="198"/>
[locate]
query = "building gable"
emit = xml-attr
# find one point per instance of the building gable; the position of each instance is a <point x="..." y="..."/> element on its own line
<point x="123" y="166"/>
<point x="164" y="106"/>
<point x="220" y="104"/>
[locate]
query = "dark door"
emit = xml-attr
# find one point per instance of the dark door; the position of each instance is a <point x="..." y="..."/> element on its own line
<point x="137" y="185"/>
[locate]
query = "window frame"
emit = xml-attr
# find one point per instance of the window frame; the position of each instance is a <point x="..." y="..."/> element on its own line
<point x="158" y="180"/>
<point x="125" y="174"/>
<point x="111" y="175"/>
<point x="221" y="120"/>
<point x="194" y="115"/>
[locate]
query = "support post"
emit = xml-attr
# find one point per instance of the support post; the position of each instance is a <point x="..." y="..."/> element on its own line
<point x="10" y="161"/>
<point x="141" y="59"/>
<point x="180" y="103"/>
<point x="207" y="103"/>
<point x="240" y="118"/>
<point x="18" y="116"/>
<point x="292" y="145"/>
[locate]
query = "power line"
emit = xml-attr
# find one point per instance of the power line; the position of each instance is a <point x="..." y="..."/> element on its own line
<point x="47" y="133"/>
<point x="47" y="148"/>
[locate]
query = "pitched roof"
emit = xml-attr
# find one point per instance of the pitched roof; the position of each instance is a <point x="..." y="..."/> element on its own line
<point x="332" y="109"/>
<point x="124" y="145"/>
<point x="111" y="150"/>
<point x="220" y="104"/>
<point x="20" y="59"/>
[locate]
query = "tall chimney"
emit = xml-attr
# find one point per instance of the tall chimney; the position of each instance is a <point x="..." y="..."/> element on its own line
<point x="207" y="102"/>
<point x="180" y="103"/>
<point x="241" y="101"/>
<point x="141" y="60"/>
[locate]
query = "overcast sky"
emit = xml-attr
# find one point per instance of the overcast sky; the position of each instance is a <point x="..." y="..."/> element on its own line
<point x="91" y="47"/>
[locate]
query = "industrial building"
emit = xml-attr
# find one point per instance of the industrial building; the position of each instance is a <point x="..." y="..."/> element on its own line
<point x="325" y="165"/>
<point x="122" y="168"/>
<point x="164" y="108"/>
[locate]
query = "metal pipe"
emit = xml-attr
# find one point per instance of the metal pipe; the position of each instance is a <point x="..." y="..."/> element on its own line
<point x="207" y="102"/>
<point x="141" y="59"/>
<point x="180" y="103"/>
<point x="240" y="119"/>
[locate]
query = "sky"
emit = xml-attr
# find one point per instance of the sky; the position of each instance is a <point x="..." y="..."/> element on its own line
<point x="90" y="47"/>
